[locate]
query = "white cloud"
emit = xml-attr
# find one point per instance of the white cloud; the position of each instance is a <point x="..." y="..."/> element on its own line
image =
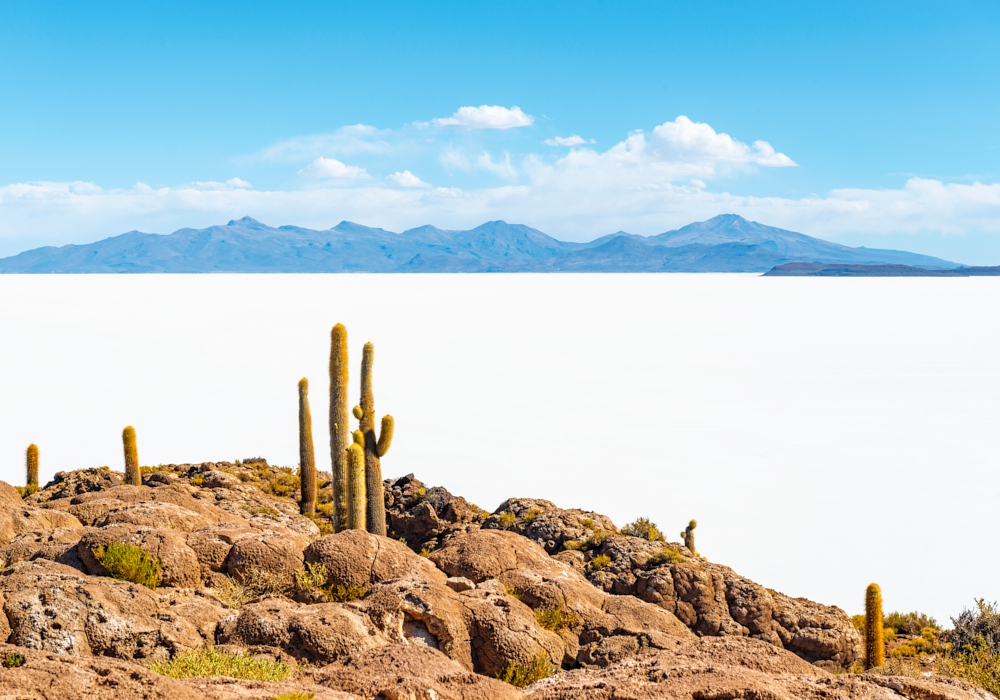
<point x="502" y="168"/>
<point x="693" y="142"/>
<point x="346" y="141"/>
<point x="486" y="117"/>
<point x="406" y="179"/>
<point x="573" y="140"/>
<point x="234" y="183"/>
<point x="333" y="168"/>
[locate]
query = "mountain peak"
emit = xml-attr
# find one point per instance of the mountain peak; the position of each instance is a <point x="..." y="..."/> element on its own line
<point x="247" y="221"/>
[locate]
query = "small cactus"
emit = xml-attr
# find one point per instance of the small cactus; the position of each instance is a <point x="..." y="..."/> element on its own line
<point x="307" y="457"/>
<point x="874" y="628"/>
<point x="31" y="467"/>
<point x="340" y="427"/>
<point x="133" y="476"/>
<point x="688" y="536"/>
<point x="375" y="447"/>
<point x="357" y="512"/>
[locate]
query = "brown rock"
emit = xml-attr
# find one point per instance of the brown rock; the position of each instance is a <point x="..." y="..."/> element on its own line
<point x="358" y="558"/>
<point x="180" y="567"/>
<point x="411" y="672"/>
<point x="58" y="545"/>
<point x="212" y="544"/>
<point x="271" y="552"/>
<point x="152" y="514"/>
<point x="426" y="517"/>
<point x="546" y="524"/>
<point x="65" y="485"/>
<point x="317" y="633"/>
<point x="18" y="517"/>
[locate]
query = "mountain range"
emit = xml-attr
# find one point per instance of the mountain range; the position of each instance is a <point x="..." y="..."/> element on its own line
<point x="726" y="243"/>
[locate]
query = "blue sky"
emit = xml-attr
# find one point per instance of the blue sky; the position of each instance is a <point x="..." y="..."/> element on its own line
<point x="865" y="123"/>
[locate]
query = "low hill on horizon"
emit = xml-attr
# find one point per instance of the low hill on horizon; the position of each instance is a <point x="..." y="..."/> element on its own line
<point x="725" y="243"/>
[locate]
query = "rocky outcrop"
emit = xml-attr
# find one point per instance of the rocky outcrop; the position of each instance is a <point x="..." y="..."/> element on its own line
<point x="425" y="518"/>
<point x="543" y="522"/>
<point x="18" y="517"/>
<point x="357" y="558"/>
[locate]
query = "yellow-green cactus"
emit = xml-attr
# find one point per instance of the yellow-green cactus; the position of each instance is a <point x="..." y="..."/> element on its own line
<point x="874" y="629"/>
<point x="307" y="457"/>
<point x="357" y="513"/>
<point x="688" y="535"/>
<point x="340" y="428"/>
<point x="132" y="474"/>
<point x="31" y="467"/>
<point x="375" y="446"/>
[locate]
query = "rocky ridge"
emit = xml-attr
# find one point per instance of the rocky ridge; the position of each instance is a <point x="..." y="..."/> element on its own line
<point x="455" y="598"/>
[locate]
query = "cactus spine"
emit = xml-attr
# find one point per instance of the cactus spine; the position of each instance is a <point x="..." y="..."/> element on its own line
<point x="874" y="631"/>
<point x="340" y="428"/>
<point x="688" y="536"/>
<point x="357" y="517"/>
<point x="307" y="457"/>
<point x="375" y="446"/>
<point x="132" y="474"/>
<point x="31" y="467"/>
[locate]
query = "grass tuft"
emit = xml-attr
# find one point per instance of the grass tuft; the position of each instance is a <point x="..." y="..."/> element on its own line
<point x="127" y="562"/>
<point x="530" y="516"/>
<point x="643" y="528"/>
<point x="313" y="578"/>
<point x="599" y="562"/>
<point x="13" y="660"/>
<point x="506" y="519"/>
<point x="249" y="585"/>
<point x="554" y="619"/>
<point x="668" y="555"/>
<point x="520" y="676"/>
<point x="297" y="695"/>
<point x="209" y="661"/>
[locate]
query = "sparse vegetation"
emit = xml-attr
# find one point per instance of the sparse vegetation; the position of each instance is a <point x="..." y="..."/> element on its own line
<point x="978" y="627"/>
<point x="425" y="552"/>
<point x="599" y="562"/>
<point x="514" y="593"/>
<point x="197" y="480"/>
<point x="587" y="523"/>
<point x="520" y="676"/>
<point x="420" y="493"/>
<point x="249" y="585"/>
<point x="554" y="619"/>
<point x="667" y="555"/>
<point x="298" y="695"/>
<point x="977" y="664"/>
<point x="127" y="562"/>
<point x="926" y="643"/>
<point x="643" y="528"/>
<point x="507" y="519"/>
<point x="209" y="661"/>
<point x="13" y="660"/>
<point x="592" y="542"/>
<point x="313" y="578"/>
<point x="910" y="623"/>
<point x="530" y="515"/>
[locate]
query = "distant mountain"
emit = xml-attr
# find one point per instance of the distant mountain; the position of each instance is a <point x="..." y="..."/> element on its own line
<point x="849" y="270"/>
<point x="726" y="243"/>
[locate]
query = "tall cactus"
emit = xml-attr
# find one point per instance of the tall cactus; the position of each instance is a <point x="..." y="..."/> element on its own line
<point x="874" y="630"/>
<point x="340" y="428"/>
<point x="307" y="457"/>
<point x="688" y="536"/>
<point x="132" y="474"/>
<point x="31" y="467"/>
<point x="375" y="447"/>
<point x="358" y="516"/>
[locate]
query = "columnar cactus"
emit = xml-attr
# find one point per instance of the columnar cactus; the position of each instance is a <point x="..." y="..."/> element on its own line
<point x="688" y="536"/>
<point x="340" y="428"/>
<point x="375" y="447"/>
<point x="132" y="474"/>
<point x="874" y="630"/>
<point x="357" y="512"/>
<point x="31" y="467"/>
<point x="307" y="457"/>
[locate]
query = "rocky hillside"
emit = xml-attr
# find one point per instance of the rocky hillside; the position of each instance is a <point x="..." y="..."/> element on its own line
<point x="248" y="599"/>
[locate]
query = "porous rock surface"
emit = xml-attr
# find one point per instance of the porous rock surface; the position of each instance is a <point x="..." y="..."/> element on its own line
<point x="493" y="593"/>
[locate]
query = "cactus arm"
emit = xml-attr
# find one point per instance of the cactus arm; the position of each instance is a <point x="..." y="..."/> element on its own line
<point x="133" y="475"/>
<point x="385" y="435"/>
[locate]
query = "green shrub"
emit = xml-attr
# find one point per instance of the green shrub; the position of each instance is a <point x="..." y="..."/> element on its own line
<point x="554" y="619"/>
<point x="506" y="519"/>
<point x="910" y="623"/>
<point x="977" y="664"/>
<point x="859" y="623"/>
<point x="13" y="660"/>
<point x="599" y="562"/>
<point x="197" y="480"/>
<point x="520" y="676"/>
<point x="127" y="562"/>
<point x="979" y="625"/>
<point x="209" y="661"/>
<point x="643" y="528"/>
<point x="313" y="578"/>
<point x="667" y="555"/>
<point x="530" y="516"/>
<point x="587" y="522"/>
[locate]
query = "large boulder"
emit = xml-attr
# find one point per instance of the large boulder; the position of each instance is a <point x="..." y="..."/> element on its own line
<point x="212" y="545"/>
<point x="713" y="600"/>
<point x="180" y="567"/>
<point x="57" y="545"/>
<point x="277" y="553"/>
<point x="545" y="523"/>
<point x="358" y="558"/>
<point x="66" y="485"/>
<point x="18" y="517"/>
<point x="316" y="633"/>
<point x="54" y="608"/>
<point x="142" y="505"/>
<point x="409" y="671"/>
<point x="425" y="517"/>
